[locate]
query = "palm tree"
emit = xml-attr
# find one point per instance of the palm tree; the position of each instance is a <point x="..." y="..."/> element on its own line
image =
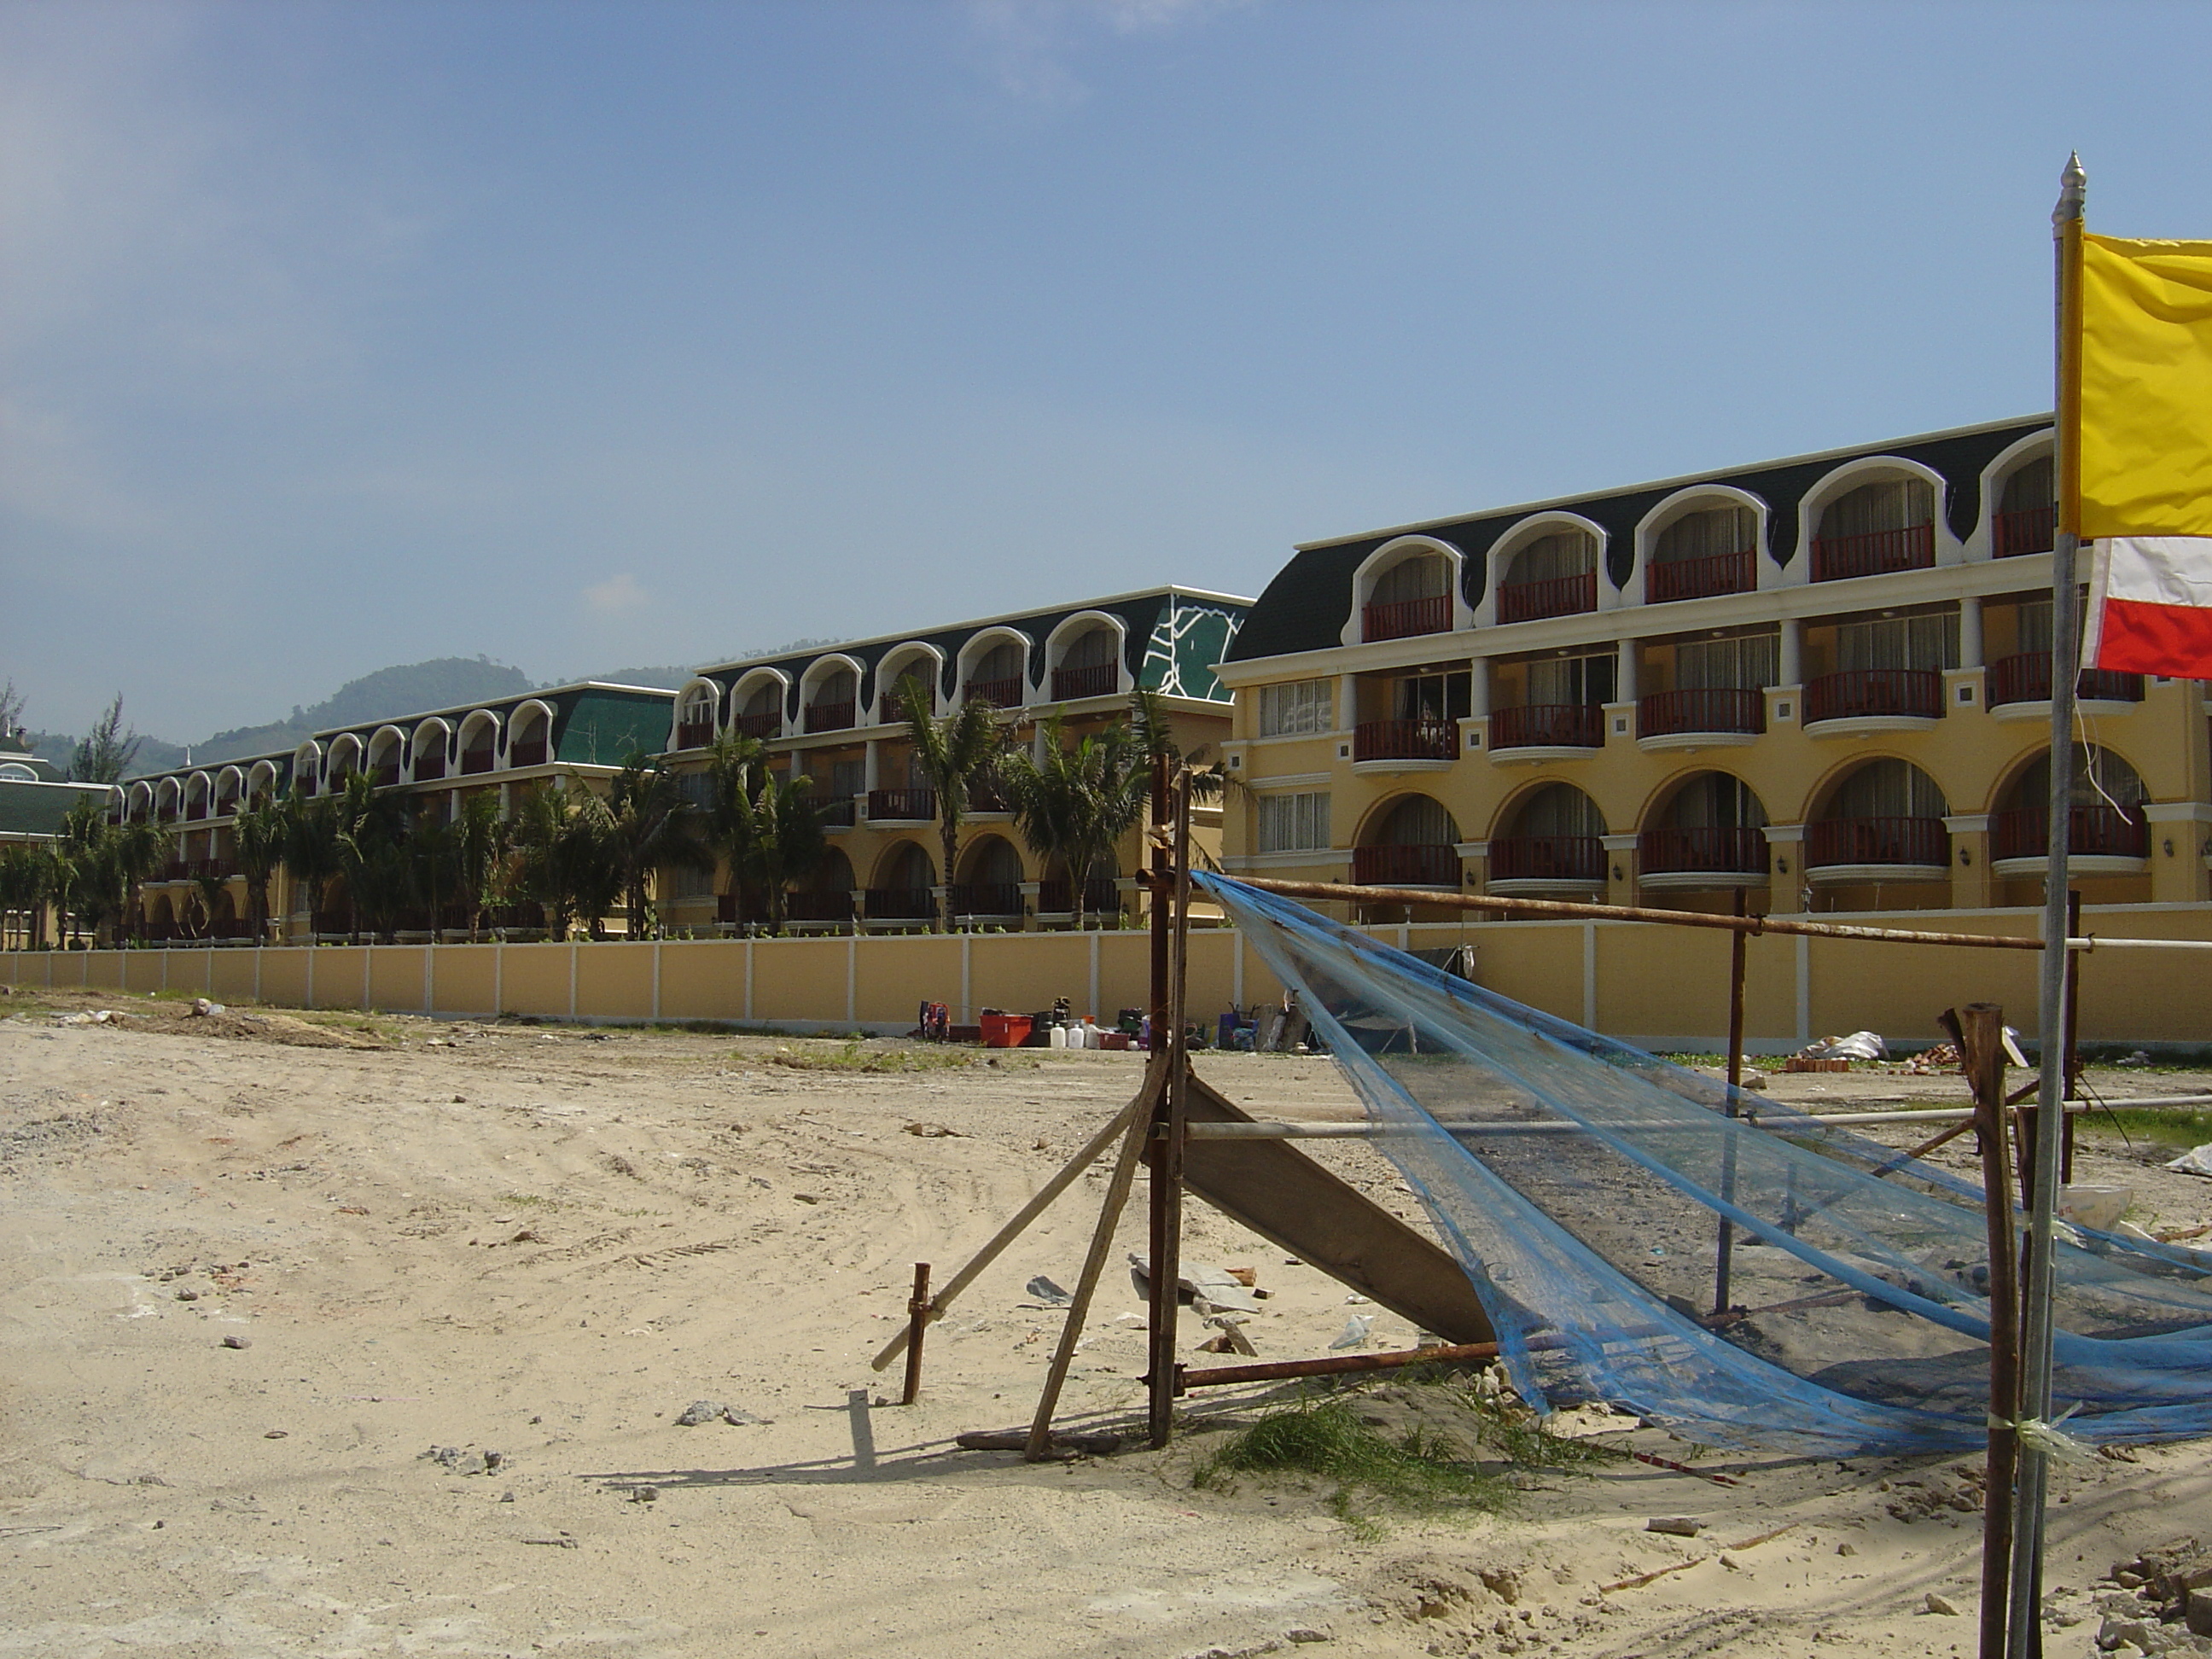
<point x="783" y="842"/>
<point x="1076" y="802"/>
<point x="257" y="842"/>
<point x="564" y="859"/>
<point x="481" y="843"/>
<point x="23" y="889"/>
<point x="90" y="880"/>
<point x="433" y="862"/>
<point x="310" y="851"/>
<point x="648" y="828"/>
<point x="133" y="851"/>
<point x="725" y="826"/>
<point x="955" y="754"/>
<point x="369" y="854"/>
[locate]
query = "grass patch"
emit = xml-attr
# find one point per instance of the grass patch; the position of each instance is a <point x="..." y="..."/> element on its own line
<point x="1324" y="1439"/>
<point x="2182" y="1128"/>
<point x="855" y="1056"/>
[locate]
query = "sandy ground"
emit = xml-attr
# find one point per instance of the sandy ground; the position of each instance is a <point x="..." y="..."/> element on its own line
<point x="545" y="1244"/>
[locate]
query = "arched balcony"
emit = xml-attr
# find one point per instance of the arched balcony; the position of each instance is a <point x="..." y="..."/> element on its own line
<point x="428" y="744"/>
<point x="387" y="755"/>
<point x="759" y="699"/>
<point x="1875" y="528"/>
<point x="695" y="715"/>
<point x="530" y="736"/>
<point x="1410" y="597"/>
<point x="479" y="743"/>
<point x="1706" y="552"/>
<point x="2027" y="516"/>
<point x="1415" y="844"/>
<point x="1882" y="822"/>
<point x="918" y="664"/>
<point x="199" y="790"/>
<point x="1087" y="662"/>
<point x="995" y="670"/>
<point x="307" y="767"/>
<point x="1552" y="574"/>
<point x="990" y="885"/>
<point x="904" y="892"/>
<point x="1552" y="843"/>
<point x="2106" y="833"/>
<point x="832" y="698"/>
<point x="1711" y="833"/>
<point x="827" y="900"/>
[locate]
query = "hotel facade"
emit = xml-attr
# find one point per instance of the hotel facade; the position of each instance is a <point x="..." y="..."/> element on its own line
<point x="1822" y="681"/>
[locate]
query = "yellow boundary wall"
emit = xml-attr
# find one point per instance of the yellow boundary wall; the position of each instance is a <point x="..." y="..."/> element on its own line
<point x="1664" y="988"/>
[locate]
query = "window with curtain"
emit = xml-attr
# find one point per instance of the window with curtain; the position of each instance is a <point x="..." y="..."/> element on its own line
<point x="1420" y="821"/>
<point x="1916" y="642"/>
<point x="1429" y="697"/>
<point x="1293" y="824"/>
<point x="1572" y="681"/>
<point x="1889" y="789"/>
<point x="1716" y="801"/>
<point x="1747" y="662"/>
<point x="1564" y="553"/>
<point x="1559" y="809"/>
<point x="1417" y="576"/>
<point x="1890" y="504"/>
<point x="1707" y="534"/>
<point x="2028" y="487"/>
<point x="1298" y="707"/>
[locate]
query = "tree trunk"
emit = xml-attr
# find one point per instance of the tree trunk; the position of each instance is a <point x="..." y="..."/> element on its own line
<point x="949" y="828"/>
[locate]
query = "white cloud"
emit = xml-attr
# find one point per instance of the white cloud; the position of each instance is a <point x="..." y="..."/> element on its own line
<point x="616" y="595"/>
<point x="1026" y="43"/>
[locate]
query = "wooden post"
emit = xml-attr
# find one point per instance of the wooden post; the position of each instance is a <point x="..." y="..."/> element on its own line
<point x="918" y="1313"/>
<point x="1170" y="1115"/>
<point x="1978" y="1029"/>
<point x="2073" y="1040"/>
<point x="1139" y="1129"/>
<point x="1723" y="1255"/>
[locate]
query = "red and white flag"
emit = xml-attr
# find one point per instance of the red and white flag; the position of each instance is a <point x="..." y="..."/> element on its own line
<point x="2150" y="606"/>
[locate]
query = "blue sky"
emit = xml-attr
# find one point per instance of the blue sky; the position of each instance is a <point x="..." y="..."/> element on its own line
<point x="583" y="335"/>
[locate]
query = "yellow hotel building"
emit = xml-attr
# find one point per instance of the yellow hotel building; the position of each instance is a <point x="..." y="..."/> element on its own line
<point x="1821" y="680"/>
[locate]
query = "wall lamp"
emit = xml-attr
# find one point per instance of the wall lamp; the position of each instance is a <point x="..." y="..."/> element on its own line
<point x="1782" y="866"/>
<point x="1966" y="856"/>
<point x="1617" y="875"/>
<point x="2169" y="847"/>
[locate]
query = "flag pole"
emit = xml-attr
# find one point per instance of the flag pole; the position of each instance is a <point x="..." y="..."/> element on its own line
<point x="2030" y="1491"/>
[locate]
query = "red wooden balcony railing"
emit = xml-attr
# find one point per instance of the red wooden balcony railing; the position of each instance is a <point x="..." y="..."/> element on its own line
<point x="1699" y="579"/>
<point x="1100" y="897"/>
<point x="2027" y="678"/>
<point x="763" y="725"/>
<point x="837" y="813"/>
<point x="1876" y="841"/>
<point x="1428" y="740"/>
<point x="915" y="805"/>
<point x="818" y="907"/>
<point x="531" y="751"/>
<point x="1548" y="726"/>
<point x="2030" y="530"/>
<point x="1403" y="618"/>
<point x="694" y="734"/>
<point x="1917" y="692"/>
<point x="196" y="810"/>
<point x="476" y="760"/>
<point x="2091" y="831"/>
<point x="1873" y="553"/>
<point x="1418" y="866"/>
<point x="900" y="904"/>
<point x="1099" y="680"/>
<point x="428" y="769"/>
<point x="385" y="776"/>
<point x="1557" y="596"/>
<point x="1000" y="693"/>
<point x="1547" y="858"/>
<point x="987" y="898"/>
<point x="988" y="798"/>
<point x="1731" y="852"/>
<point x="829" y="716"/>
<point x="1713" y="709"/>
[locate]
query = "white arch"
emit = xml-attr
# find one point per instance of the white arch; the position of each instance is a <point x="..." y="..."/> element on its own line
<point x="138" y="798"/>
<point x="344" y="757"/>
<point x="168" y="798"/>
<point x="2007" y="461"/>
<point x="900" y="661"/>
<point x="698" y="703"/>
<point x="1392" y="552"/>
<point x="199" y="789"/>
<point x="520" y="725"/>
<point x="1681" y="504"/>
<point x="749" y="686"/>
<point x="1868" y="469"/>
<point x="261" y="780"/>
<point x="431" y="737"/>
<point x="982" y="643"/>
<point x="307" y="767"/>
<point x="386" y="745"/>
<point x="1550" y="522"/>
<point x="229" y="785"/>
<point x="1073" y="628"/>
<point x="822" y="668"/>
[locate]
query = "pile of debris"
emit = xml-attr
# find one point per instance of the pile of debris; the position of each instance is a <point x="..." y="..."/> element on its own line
<point x="2166" y="1603"/>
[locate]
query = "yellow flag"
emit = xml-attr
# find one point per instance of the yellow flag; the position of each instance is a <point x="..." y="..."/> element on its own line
<point x="2144" y="365"/>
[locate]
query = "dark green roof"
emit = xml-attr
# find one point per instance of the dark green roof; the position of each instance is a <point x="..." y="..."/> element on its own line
<point x="38" y="809"/>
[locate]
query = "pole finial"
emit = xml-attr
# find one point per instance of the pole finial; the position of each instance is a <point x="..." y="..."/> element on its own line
<point x="2073" y="190"/>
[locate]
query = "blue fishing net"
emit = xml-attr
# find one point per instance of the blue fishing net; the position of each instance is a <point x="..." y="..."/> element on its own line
<point x="1585" y="1187"/>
